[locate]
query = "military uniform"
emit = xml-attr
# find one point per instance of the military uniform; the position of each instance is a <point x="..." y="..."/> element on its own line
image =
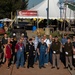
<point x="30" y="51"/>
<point x="56" y="53"/>
<point x="68" y="53"/>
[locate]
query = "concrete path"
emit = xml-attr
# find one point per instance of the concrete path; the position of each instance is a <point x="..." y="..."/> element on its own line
<point x="72" y="71"/>
<point x="34" y="71"/>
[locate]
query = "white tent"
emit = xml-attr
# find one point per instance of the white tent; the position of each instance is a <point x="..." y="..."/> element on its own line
<point x="54" y="11"/>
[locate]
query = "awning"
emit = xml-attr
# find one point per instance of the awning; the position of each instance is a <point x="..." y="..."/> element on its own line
<point x="24" y="17"/>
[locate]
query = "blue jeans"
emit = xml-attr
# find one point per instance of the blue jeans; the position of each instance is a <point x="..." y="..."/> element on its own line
<point x="41" y="59"/>
<point x="46" y="58"/>
<point x="36" y="57"/>
<point x="20" y="59"/>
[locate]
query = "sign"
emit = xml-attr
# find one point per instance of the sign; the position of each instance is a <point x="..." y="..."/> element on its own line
<point x="27" y="13"/>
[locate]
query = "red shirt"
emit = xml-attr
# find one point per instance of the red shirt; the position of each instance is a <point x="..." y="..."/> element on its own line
<point x="18" y="45"/>
<point x="8" y="51"/>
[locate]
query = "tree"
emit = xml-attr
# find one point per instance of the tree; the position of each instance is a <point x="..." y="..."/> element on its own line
<point x="8" y="6"/>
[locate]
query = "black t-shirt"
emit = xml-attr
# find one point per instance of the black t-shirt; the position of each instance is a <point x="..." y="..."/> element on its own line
<point x="4" y="41"/>
<point x="13" y="46"/>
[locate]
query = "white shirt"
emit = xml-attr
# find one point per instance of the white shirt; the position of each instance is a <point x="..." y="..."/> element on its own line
<point x="47" y="42"/>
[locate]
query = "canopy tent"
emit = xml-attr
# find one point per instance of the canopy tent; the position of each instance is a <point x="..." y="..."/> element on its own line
<point x="54" y="11"/>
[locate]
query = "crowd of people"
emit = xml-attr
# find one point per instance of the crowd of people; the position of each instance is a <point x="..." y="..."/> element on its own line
<point x="40" y="50"/>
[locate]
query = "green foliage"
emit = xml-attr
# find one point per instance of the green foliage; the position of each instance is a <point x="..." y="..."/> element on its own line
<point x="55" y="33"/>
<point x="8" y="6"/>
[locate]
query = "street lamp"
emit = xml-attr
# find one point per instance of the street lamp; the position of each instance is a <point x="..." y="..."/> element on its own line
<point x="65" y="14"/>
<point x="61" y="7"/>
<point x="48" y="13"/>
<point x="47" y="29"/>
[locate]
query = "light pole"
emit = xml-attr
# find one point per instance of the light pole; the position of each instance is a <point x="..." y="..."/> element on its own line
<point x="47" y="13"/>
<point x="65" y="14"/>
<point x="61" y="7"/>
<point x="47" y="29"/>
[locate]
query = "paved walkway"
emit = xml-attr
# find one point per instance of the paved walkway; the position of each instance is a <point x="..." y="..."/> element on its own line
<point x="72" y="71"/>
<point x="34" y="71"/>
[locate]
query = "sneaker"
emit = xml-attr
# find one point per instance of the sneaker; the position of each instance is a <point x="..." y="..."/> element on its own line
<point x="32" y="67"/>
<point x="43" y="66"/>
<point x="17" y="67"/>
<point x="52" y="67"/>
<point x="40" y="67"/>
<point x="28" y="67"/>
<point x="58" y="68"/>
<point x="70" y="68"/>
<point x="65" y="67"/>
<point x="46" y="64"/>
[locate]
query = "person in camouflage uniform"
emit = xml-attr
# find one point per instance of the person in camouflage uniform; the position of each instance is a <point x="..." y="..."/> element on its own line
<point x="56" y="52"/>
<point x="68" y="53"/>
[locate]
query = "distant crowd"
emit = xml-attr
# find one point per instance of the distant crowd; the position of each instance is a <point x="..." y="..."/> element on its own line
<point x="37" y="50"/>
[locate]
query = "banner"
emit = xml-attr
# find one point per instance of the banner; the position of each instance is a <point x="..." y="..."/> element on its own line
<point x="27" y="13"/>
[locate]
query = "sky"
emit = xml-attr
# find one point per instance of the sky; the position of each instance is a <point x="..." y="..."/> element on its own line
<point x="32" y="3"/>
